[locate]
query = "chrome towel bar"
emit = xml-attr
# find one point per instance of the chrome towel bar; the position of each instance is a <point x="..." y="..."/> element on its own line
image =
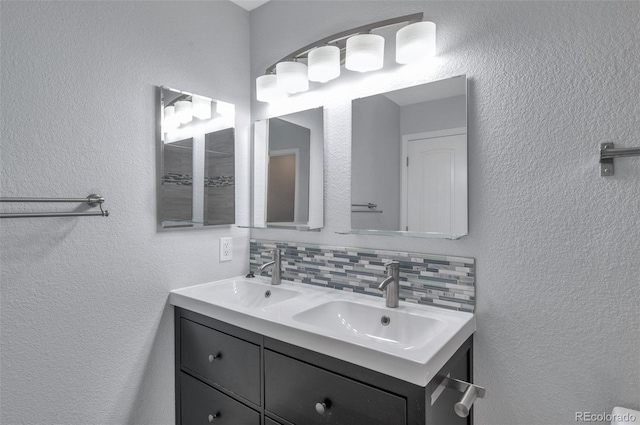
<point x="608" y="153"/>
<point x="91" y="200"/>
<point x="372" y="208"/>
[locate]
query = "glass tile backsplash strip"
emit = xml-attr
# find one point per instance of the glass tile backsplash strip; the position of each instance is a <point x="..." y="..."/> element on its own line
<point x="438" y="280"/>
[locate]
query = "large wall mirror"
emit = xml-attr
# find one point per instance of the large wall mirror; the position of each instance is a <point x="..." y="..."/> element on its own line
<point x="409" y="161"/>
<point x="197" y="176"/>
<point x="288" y="161"/>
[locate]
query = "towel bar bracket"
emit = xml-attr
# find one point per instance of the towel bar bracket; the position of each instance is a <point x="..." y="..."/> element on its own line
<point x="94" y="200"/>
<point x="608" y="153"/>
<point x="471" y="392"/>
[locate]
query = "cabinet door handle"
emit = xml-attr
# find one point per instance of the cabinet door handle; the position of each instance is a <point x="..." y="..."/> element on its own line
<point x="321" y="408"/>
<point x="216" y="357"/>
<point x="214" y="416"/>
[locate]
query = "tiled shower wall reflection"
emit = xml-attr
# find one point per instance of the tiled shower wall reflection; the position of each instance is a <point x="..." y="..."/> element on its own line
<point x="438" y="280"/>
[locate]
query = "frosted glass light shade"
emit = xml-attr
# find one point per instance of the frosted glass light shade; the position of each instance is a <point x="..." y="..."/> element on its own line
<point x="416" y="42"/>
<point x="170" y="120"/>
<point x="225" y="109"/>
<point x="201" y="107"/>
<point x="292" y="77"/>
<point x="184" y="111"/>
<point x="365" y="52"/>
<point x="267" y="89"/>
<point x="324" y="63"/>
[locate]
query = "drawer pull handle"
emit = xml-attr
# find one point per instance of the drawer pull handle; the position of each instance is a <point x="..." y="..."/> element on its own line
<point x="321" y="408"/>
<point x="214" y="416"/>
<point x="216" y="357"/>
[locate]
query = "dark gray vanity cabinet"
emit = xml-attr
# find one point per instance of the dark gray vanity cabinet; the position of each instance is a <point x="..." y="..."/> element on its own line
<point x="202" y="404"/>
<point x="218" y="372"/>
<point x="226" y="361"/>
<point x="228" y="375"/>
<point x="305" y="394"/>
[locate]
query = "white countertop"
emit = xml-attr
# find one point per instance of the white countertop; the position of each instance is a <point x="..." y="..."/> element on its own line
<point x="416" y="361"/>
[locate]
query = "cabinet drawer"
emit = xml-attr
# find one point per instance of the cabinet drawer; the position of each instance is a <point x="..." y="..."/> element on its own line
<point x="224" y="360"/>
<point x="203" y="405"/>
<point x="293" y="388"/>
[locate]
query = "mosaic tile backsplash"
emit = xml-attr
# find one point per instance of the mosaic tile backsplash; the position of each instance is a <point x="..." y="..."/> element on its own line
<point x="438" y="280"/>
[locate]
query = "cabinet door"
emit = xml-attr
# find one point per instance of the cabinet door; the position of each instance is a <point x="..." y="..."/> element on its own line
<point x="222" y="359"/>
<point x="203" y="405"/>
<point x="307" y="395"/>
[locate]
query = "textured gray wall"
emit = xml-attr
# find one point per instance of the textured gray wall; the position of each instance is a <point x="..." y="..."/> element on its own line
<point x="557" y="246"/>
<point x="86" y="332"/>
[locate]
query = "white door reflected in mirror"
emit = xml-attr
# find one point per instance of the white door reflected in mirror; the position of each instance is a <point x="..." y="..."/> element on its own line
<point x="435" y="183"/>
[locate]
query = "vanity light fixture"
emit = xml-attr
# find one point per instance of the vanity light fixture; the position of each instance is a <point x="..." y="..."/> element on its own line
<point x="365" y="52"/>
<point x="357" y="49"/>
<point x="267" y="89"/>
<point x="170" y="120"/>
<point x="291" y="76"/>
<point x="201" y="107"/>
<point x="225" y="109"/>
<point x="184" y="111"/>
<point x="416" y="42"/>
<point x="324" y="63"/>
<point x="181" y="110"/>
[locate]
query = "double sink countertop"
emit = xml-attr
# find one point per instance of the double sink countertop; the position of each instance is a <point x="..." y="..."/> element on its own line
<point x="411" y="342"/>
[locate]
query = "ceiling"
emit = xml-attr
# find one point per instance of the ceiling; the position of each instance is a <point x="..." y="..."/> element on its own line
<point x="249" y="4"/>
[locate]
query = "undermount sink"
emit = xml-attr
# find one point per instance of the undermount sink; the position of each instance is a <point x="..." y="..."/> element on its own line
<point x="399" y="327"/>
<point x="246" y="293"/>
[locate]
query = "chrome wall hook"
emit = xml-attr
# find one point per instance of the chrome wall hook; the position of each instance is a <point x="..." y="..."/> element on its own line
<point x="471" y="392"/>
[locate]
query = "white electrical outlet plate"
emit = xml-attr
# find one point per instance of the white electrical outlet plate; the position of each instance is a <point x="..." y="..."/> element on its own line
<point x="226" y="248"/>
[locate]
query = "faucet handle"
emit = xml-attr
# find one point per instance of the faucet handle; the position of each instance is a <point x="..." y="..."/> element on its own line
<point x="392" y="264"/>
<point x="273" y="251"/>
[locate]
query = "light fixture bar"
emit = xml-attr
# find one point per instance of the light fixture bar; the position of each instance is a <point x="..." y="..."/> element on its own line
<point x="341" y="36"/>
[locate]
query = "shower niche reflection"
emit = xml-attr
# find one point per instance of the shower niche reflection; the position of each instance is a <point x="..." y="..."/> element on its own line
<point x="197" y="175"/>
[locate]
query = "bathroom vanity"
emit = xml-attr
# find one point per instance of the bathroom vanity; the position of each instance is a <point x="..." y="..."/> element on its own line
<point x="256" y="364"/>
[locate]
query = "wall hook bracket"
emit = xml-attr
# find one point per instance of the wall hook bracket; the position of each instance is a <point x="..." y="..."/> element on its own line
<point x="608" y="153"/>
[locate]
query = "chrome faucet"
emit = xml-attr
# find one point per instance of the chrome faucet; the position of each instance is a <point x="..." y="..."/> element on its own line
<point x="392" y="284"/>
<point x="276" y="275"/>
